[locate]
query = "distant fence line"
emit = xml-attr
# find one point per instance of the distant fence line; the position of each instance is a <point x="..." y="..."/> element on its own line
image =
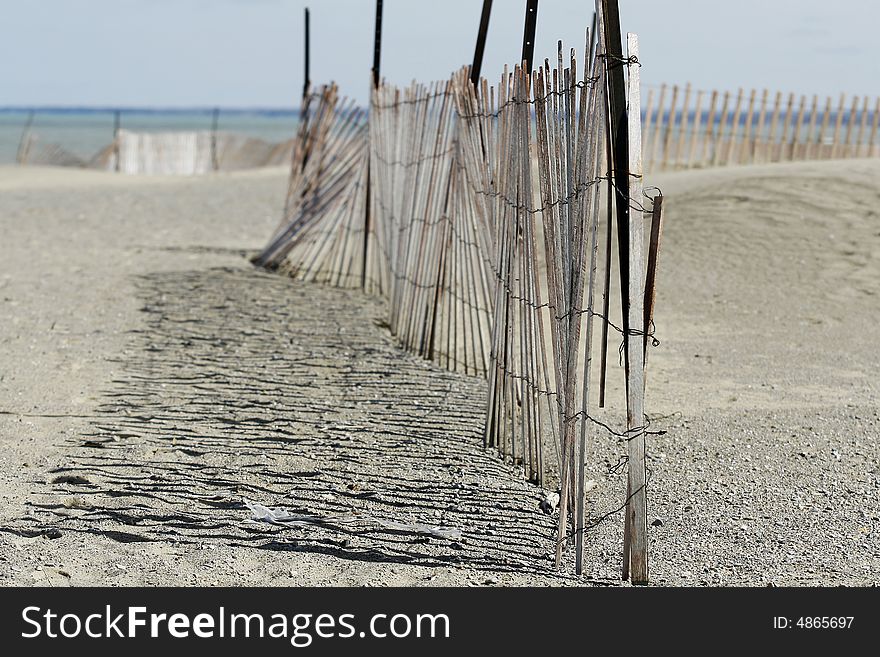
<point x="689" y="128"/>
<point x="474" y="212"/>
<point x="188" y="152"/>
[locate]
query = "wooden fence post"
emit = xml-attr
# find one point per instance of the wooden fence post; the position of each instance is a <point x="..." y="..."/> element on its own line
<point x="636" y="528"/>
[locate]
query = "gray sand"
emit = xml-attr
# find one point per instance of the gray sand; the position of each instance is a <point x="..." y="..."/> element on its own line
<point x="151" y="380"/>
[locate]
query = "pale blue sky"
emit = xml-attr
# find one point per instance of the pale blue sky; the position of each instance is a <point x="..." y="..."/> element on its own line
<point x="248" y="53"/>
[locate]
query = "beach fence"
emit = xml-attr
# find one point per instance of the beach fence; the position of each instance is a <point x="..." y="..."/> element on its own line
<point x="688" y="128"/>
<point x="152" y="152"/>
<point x="473" y="211"/>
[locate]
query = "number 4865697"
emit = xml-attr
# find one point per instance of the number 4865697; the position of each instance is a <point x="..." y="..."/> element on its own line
<point x="824" y="622"/>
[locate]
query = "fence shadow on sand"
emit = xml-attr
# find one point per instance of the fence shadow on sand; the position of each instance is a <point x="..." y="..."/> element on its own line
<point x="244" y="385"/>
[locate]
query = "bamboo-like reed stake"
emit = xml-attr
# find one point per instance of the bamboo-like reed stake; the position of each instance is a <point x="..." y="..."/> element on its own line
<point x="820" y="138"/>
<point x="708" y="147"/>
<point x="682" y="126"/>
<point x="872" y="140"/>
<point x="745" y="146"/>
<point x="774" y="122"/>
<point x="649" y="127"/>
<point x="670" y="125"/>
<point x="759" y="140"/>
<point x="847" y="148"/>
<point x="862" y="123"/>
<point x="799" y="119"/>
<point x="695" y="128"/>
<point x="658" y="123"/>
<point x="838" y="122"/>
<point x="811" y="131"/>
<point x="719" y="134"/>
<point x="783" y="138"/>
<point x="734" y="128"/>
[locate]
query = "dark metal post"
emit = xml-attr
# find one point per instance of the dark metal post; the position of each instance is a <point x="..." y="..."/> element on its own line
<point x="528" y="47"/>
<point x="477" y="66"/>
<point x="307" y="81"/>
<point x="377" y="44"/>
<point x="377" y="57"/>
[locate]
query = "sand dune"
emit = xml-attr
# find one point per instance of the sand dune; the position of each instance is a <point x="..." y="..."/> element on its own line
<point x="140" y="353"/>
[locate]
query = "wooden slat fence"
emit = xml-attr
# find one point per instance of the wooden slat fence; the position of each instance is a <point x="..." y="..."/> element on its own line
<point x="481" y="232"/>
<point x="688" y="128"/>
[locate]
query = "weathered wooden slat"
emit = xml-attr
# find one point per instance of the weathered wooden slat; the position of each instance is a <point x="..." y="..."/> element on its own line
<point x="636" y="524"/>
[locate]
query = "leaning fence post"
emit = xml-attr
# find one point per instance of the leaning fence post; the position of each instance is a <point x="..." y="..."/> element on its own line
<point x="636" y="528"/>
<point x="307" y="80"/>
<point x="619" y="169"/>
<point x="531" y="24"/>
<point x="480" y="48"/>
<point x="377" y="44"/>
<point x="377" y="57"/>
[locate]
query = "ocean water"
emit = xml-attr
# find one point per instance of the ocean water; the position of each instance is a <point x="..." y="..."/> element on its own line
<point x="85" y="131"/>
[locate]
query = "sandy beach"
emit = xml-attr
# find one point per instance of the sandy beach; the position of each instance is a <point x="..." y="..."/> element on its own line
<point x="151" y="381"/>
